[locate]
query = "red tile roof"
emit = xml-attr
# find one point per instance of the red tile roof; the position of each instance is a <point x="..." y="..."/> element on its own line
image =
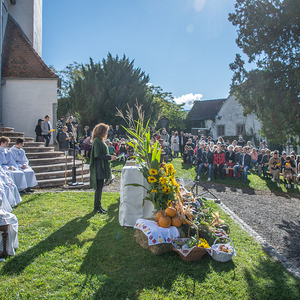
<point x="205" y="109"/>
<point x="19" y="59"/>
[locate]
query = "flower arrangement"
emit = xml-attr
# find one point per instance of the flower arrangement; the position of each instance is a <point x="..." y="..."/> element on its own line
<point x="162" y="185"/>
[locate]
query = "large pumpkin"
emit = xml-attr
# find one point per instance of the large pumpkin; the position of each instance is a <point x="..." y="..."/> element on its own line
<point x="164" y="221"/>
<point x="159" y="214"/>
<point x="171" y="212"/>
<point x="176" y="221"/>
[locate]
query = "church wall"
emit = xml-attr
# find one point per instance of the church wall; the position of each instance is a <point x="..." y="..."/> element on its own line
<point x="33" y="98"/>
<point x="28" y="14"/>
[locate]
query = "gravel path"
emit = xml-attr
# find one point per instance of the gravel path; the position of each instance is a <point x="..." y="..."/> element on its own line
<point x="275" y="217"/>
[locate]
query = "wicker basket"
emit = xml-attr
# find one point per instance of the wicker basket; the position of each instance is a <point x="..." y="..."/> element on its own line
<point x="222" y="257"/>
<point x="196" y="253"/>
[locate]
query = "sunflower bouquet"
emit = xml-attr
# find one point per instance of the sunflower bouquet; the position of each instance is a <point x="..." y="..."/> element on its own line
<point x="162" y="185"/>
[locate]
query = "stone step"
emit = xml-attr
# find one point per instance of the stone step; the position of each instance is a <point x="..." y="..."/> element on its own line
<point x="29" y="144"/>
<point x="60" y="174"/>
<point x="56" y="167"/>
<point x="13" y="134"/>
<point x="61" y="181"/>
<point x="26" y="139"/>
<point x="45" y="154"/>
<point x="49" y="160"/>
<point x="38" y="149"/>
<point x="6" y="129"/>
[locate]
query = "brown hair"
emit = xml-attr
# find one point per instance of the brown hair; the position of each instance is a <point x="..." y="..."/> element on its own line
<point x="4" y="139"/>
<point x="100" y="131"/>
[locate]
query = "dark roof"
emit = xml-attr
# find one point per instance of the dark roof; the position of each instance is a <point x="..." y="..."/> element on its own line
<point x="205" y="109"/>
<point x="19" y="59"/>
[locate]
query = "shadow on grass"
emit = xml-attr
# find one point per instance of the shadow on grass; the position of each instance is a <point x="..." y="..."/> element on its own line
<point x="277" y="286"/>
<point x="126" y="269"/>
<point x="66" y="235"/>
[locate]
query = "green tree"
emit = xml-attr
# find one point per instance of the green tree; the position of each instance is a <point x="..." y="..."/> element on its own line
<point x="269" y="34"/>
<point x="168" y="108"/>
<point x="102" y="87"/>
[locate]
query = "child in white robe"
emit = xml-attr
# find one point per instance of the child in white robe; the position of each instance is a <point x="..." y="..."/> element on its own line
<point x="9" y="164"/>
<point x="19" y="156"/>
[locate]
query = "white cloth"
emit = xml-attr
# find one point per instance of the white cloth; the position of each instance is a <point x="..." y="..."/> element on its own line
<point x="7" y="161"/>
<point x="156" y="234"/>
<point x="131" y="197"/>
<point x="11" y="220"/>
<point x="20" y="159"/>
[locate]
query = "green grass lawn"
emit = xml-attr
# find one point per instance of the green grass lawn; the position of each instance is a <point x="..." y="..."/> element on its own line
<point x="68" y="252"/>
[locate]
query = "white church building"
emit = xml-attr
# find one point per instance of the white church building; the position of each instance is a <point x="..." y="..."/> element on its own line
<point x="28" y="87"/>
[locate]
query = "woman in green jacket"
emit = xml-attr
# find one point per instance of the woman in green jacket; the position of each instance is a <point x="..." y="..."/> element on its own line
<point x="100" y="170"/>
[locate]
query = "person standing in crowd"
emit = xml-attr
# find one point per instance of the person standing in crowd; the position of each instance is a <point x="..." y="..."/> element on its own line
<point x="117" y="132"/>
<point x="100" y="169"/>
<point x="241" y="142"/>
<point x="22" y="163"/>
<point x="38" y="131"/>
<point x="175" y="143"/>
<point x="64" y="139"/>
<point x="164" y="135"/>
<point x="71" y="129"/>
<point x="182" y="142"/>
<point x="46" y="130"/>
<point x="86" y="131"/>
<point x="110" y="133"/>
<point x="59" y="126"/>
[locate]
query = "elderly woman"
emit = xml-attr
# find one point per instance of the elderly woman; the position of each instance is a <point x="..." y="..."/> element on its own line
<point x="100" y="170"/>
<point x="63" y="139"/>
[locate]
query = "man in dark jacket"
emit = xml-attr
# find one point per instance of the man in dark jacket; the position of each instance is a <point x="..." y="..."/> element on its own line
<point x="207" y="162"/>
<point x="243" y="164"/>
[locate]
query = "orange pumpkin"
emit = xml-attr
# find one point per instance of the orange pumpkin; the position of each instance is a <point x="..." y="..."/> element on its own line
<point x="164" y="221"/>
<point x="176" y="221"/>
<point x="171" y="212"/>
<point x="159" y="214"/>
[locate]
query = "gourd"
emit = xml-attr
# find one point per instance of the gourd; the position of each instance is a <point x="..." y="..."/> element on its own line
<point x="159" y="214"/>
<point x="164" y="221"/>
<point x="176" y="221"/>
<point x="171" y="212"/>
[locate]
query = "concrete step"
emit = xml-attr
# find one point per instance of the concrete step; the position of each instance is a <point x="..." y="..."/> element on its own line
<point x="56" y="167"/>
<point x="61" y="181"/>
<point x="6" y="129"/>
<point x="13" y="134"/>
<point x="38" y="149"/>
<point x="26" y="139"/>
<point x="29" y="144"/>
<point x="48" y="154"/>
<point x="61" y="174"/>
<point x="49" y="160"/>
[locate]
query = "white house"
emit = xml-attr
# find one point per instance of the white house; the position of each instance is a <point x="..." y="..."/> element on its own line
<point x="224" y="117"/>
<point x="28" y="86"/>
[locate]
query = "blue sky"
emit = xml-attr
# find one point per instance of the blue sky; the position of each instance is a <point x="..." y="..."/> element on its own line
<point x="185" y="46"/>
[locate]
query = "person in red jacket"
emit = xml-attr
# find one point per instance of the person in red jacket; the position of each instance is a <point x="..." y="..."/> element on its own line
<point x="219" y="161"/>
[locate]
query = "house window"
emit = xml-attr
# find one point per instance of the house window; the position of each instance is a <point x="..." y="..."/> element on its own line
<point x="221" y="130"/>
<point x="240" y="129"/>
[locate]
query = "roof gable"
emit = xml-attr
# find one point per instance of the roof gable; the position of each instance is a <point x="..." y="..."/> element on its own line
<point x="19" y="59"/>
<point x="205" y="109"/>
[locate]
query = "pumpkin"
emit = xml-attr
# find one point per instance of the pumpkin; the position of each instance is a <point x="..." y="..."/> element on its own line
<point x="176" y="221"/>
<point x="164" y="221"/>
<point x="171" y="212"/>
<point x="159" y="214"/>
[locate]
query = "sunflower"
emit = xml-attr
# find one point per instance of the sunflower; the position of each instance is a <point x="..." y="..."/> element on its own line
<point x="154" y="191"/>
<point x="153" y="172"/>
<point x="163" y="180"/>
<point x="151" y="179"/>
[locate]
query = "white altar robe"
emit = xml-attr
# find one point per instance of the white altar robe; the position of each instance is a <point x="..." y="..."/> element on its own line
<point x="20" y="159"/>
<point x="11" y="220"/>
<point x="7" y="161"/>
<point x="10" y="189"/>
